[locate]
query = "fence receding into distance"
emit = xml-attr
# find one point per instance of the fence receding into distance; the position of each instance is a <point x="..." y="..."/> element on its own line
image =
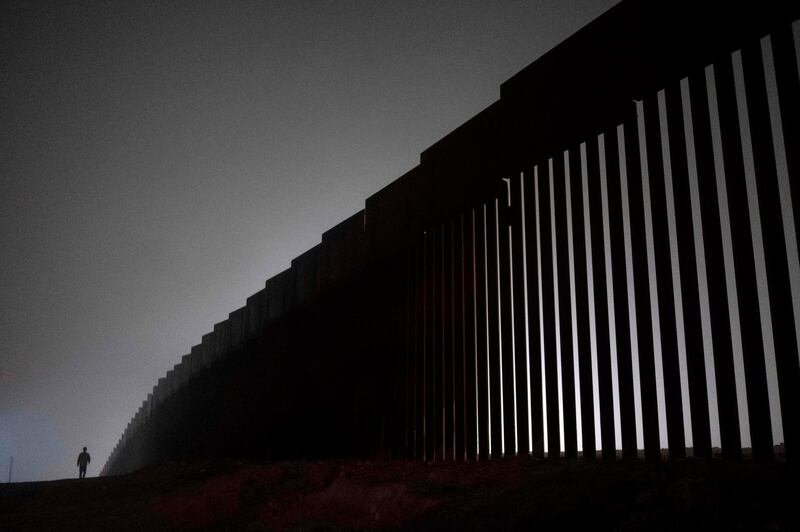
<point x="603" y="262"/>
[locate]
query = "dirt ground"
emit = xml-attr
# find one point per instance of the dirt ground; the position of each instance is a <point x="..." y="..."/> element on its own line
<point x="508" y="494"/>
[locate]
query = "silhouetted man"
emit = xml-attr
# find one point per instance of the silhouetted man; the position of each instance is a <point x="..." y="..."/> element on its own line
<point x="83" y="461"/>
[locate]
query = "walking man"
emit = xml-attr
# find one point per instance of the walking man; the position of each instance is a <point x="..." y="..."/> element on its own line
<point x="83" y="461"/>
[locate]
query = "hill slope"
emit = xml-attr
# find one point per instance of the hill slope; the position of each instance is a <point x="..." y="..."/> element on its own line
<point x="518" y="493"/>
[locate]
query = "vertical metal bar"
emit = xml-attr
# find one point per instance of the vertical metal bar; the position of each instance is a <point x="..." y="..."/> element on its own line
<point x="787" y="83"/>
<point x="508" y="364"/>
<point x="719" y="313"/>
<point x="419" y="301"/>
<point x="549" y="317"/>
<point x="687" y="275"/>
<point x="742" y="243"/>
<point x="647" y="373"/>
<point x="470" y="334"/>
<point x="683" y="183"/>
<point x="582" y="303"/>
<point x="419" y="389"/>
<point x="564" y="307"/>
<point x="408" y="383"/>
<point x="602" y="329"/>
<point x="448" y="441"/>
<point x="459" y="352"/>
<point x="429" y="354"/>
<point x="493" y="304"/>
<point x="621" y="311"/>
<point x="481" y="331"/>
<point x="437" y="375"/>
<point x="531" y="241"/>
<point x="772" y="232"/>
<point x="518" y="298"/>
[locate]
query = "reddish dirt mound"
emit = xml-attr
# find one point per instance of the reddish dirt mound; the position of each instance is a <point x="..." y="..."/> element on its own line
<point x="518" y="493"/>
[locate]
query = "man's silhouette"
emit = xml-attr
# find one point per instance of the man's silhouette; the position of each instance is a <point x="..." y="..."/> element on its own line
<point x="83" y="461"/>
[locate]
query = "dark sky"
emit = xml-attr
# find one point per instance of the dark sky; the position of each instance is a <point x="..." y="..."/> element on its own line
<point x="160" y="160"/>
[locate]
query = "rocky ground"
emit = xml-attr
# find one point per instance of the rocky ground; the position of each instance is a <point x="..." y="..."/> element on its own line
<point x="516" y="493"/>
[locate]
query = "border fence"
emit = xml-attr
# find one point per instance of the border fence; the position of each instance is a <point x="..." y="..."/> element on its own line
<point x="602" y="263"/>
